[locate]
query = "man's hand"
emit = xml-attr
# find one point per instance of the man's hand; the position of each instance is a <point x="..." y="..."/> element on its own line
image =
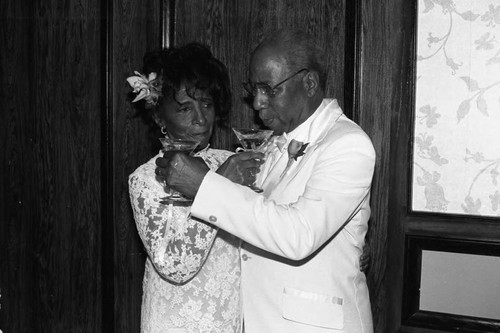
<point x="242" y="168"/>
<point x="181" y="172"/>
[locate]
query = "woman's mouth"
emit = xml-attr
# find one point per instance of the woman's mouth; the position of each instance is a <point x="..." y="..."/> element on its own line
<point x="200" y="136"/>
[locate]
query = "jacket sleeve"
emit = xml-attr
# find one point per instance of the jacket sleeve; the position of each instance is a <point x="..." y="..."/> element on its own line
<point x="177" y="244"/>
<point x="337" y="183"/>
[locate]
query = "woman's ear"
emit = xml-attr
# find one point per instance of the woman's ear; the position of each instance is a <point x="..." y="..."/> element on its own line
<point x="158" y="121"/>
<point x="311" y="83"/>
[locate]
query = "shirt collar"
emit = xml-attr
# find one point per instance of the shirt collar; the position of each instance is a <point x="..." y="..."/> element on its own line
<point x="203" y="151"/>
<point x="303" y="132"/>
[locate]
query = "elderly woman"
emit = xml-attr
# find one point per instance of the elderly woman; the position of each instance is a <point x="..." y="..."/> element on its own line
<point x="192" y="273"/>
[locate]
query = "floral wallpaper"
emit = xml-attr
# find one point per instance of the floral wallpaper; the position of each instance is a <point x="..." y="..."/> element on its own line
<point x="456" y="144"/>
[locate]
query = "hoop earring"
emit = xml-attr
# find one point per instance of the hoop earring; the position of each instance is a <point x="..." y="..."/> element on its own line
<point x="164" y="130"/>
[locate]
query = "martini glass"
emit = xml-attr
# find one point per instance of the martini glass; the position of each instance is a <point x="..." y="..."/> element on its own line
<point x="252" y="140"/>
<point x="183" y="146"/>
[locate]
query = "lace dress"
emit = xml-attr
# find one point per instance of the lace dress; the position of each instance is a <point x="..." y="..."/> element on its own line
<point x="192" y="274"/>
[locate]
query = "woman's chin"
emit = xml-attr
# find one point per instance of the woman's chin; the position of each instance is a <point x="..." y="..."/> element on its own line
<point x="202" y="145"/>
<point x="202" y="139"/>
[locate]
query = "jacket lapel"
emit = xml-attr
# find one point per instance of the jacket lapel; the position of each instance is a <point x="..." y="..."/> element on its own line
<point x="312" y="133"/>
<point x="318" y="130"/>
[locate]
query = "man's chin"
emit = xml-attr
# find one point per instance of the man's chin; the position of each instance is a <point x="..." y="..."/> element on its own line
<point x="277" y="130"/>
<point x="274" y="126"/>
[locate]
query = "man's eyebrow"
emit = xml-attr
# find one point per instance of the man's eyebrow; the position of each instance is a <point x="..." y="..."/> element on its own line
<point x="261" y="83"/>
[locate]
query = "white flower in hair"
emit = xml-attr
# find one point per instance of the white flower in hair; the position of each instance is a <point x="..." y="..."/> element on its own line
<point x="148" y="88"/>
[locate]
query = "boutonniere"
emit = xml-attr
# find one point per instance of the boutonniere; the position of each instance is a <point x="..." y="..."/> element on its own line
<point x="147" y="88"/>
<point x="295" y="150"/>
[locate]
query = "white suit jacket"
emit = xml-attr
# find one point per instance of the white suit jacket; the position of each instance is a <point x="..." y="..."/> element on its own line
<point x="300" y="261"/>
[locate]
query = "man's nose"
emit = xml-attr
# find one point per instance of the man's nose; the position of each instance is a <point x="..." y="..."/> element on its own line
<point x="260" y="100"/>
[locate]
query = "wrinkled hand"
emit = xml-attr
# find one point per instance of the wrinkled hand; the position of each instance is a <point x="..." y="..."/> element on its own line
<point x="242" y="168"/>
<point x="181" y="172"/>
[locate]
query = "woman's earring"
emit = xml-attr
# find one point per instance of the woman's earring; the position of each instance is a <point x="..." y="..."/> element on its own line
<point x="164" y="130"/>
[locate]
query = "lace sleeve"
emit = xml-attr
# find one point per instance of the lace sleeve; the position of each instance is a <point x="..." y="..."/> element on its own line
<point x="176" y="244"/>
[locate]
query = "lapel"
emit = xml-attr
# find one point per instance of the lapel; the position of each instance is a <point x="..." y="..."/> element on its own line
<point x="275" y="169"/>
<point x="312" y="132"/>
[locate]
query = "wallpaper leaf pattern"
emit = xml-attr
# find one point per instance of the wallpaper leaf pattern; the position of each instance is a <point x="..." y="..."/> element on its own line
<point x="456" y="145"/>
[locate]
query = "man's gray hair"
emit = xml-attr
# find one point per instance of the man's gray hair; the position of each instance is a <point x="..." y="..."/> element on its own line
<point x="301" y="50"/>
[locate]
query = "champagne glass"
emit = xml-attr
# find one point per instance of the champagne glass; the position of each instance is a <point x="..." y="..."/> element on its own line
<point x="252" y="140"/>
<point x="177" y="145"/>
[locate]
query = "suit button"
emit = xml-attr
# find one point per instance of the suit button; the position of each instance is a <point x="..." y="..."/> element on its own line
<point x="212" y="218"/>
<point x="244" y="257"/>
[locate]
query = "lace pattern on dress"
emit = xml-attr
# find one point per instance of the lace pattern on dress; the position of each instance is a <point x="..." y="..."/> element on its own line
<point x="191" y="279"/>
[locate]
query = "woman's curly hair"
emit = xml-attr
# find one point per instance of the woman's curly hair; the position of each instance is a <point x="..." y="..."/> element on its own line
<point x="194" y="66"/>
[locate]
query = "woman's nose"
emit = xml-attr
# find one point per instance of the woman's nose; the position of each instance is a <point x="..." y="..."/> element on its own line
<point x="199" y="117"/>
<point x="260" y="100"/>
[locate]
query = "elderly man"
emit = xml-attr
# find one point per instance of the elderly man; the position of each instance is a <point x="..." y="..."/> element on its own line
<point x="304" y="235"/>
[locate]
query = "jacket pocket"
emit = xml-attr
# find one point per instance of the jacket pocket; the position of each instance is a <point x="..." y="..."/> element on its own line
<point x="313" y="309"/>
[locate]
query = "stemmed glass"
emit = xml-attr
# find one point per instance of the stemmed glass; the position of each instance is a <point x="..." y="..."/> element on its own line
<point x="177" y="145"/>
<point x="252" y="140"/>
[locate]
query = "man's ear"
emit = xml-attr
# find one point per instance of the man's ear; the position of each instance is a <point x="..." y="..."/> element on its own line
<point x="311" y="83"/>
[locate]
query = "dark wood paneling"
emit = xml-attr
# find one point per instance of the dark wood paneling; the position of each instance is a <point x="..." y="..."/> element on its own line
<point x="233" y="28"/>
<point x="51" y="274"/>
<point x="384" y="60"/>
<point x="71" y="259"/>
<point x="16" y="202"/>
<point x="412" y="314"/>
<point x="135" y="29"/>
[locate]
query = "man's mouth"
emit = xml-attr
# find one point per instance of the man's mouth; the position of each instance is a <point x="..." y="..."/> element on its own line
<point x="268" y="122"/>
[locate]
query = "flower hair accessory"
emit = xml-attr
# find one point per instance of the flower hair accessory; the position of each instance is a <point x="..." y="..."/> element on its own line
<point x="295" y="150"/>
<point x="148" y="88"/>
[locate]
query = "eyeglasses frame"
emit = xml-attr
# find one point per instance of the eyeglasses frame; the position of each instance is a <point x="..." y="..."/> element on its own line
<point x="252" y="88"/>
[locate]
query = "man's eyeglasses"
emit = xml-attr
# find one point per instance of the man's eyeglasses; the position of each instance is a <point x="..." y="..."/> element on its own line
<point x="266" y="89"/>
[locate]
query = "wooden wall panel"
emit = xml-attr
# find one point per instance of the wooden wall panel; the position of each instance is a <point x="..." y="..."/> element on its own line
<point x="233" y="28"/>
<point x="51" y="274"/>
<point x="384" y="46"/>
<point x="16" y="202"/>
<point x="71" y="259"/>
<point x="135" y="27"/>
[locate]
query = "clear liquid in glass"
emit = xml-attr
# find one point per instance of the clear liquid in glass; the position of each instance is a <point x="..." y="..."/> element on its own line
<point x="252" y="140"/>
<point x="183" y="146"/>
